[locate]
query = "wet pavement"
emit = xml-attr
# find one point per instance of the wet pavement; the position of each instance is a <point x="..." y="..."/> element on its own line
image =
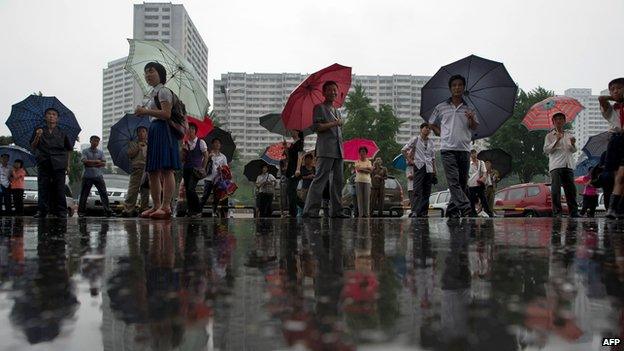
<point x="396" y="284"/>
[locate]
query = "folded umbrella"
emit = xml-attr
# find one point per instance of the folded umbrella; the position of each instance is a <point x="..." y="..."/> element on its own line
<point x="501" y="160"/>
<point x="273" y="123"/>
<point x="227" y="142"/>
<point x="351" y="148"/>
<point x="19" y="153"/>
<point x="28" y="115"/>
<point x="275" y="153"/>
<point x="597" y="144"/>
<point x="121" y="134"/>
<point x="490" y="91"/>
<point x="583" y="167"/>
<point x="254" y="168"/>
<point x="297" y="113"/>
<point x="399" y="162"/>
<point x="539" y="116"/>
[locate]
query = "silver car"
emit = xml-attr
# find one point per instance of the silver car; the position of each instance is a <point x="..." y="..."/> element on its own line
<point x="31" y="197"/>
<point x="116" y="187"/>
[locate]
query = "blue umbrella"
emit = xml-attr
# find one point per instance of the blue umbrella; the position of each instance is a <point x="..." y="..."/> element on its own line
<point x="19" y="153"/>
<point x="28" y="115"/>
<point x="399" y="162"/>
<point x="597" y="144"/>
<point x="583" y="167"/>
<point x="121" y="134"/>
<point x="490" y="91"/>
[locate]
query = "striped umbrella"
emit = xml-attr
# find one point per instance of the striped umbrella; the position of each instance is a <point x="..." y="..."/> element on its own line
<point x="539" y="116"/>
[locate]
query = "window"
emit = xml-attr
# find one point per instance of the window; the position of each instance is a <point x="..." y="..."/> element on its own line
<point x="165" y="32"/>
<point x="165" y="25"/>
<point x="151" y="25"/>
<point x="500" y="196"/>
<point x="166" y="9"/>
<point x="516" y="194"/>
<point x="445" y="197"/>
<point x="147" y="32"/>
<point x="533" y="191"/>
<point x="151" y="9"/>
<point x="433" y="198"/>
<point x="165" y="17"/>
<point x="151" y="17"/>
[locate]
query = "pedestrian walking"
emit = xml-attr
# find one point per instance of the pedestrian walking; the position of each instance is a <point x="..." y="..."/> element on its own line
<point x="590" y="195"/>
<point x="560" y="147"/>
<point x="492" y="177"/>
<point x="614" y="114"/>
<point x="454" y="122"/>
<point x="420" y="155"/>
<point x="94" y="162"/>
<point x="306" y="173"/>
<point x="363" y="169"/>
<point x="195" y="156"/>
<point x="216" y="161"/>
<point x="379" y="174"/>
<point x="51" y="147"/>
<point x="265" y="188"/>
<point x="477" y="174"/>
<point x="137" y="153"/>
<point x="18" y="175"/>
<point x="5" y="186"/>
<point x="293" y="153"/>
<point x="283" y="186"/>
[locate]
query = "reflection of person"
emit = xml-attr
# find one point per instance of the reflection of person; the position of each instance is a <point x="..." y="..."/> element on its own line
<point x="93" y="161"/>
<point x="379" y="174"/>
<point x="420" y="155"/>
<point x="265" y="185"/>
<point x="137" y="151"/>
<point x="615" y="156"/>
<point x="363" y="168"/>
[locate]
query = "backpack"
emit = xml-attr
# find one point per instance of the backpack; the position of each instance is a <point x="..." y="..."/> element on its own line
<point x="177" y="122"/>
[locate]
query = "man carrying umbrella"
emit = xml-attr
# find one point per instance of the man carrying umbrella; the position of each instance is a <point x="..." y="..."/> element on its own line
<point x="137" y="151"/>
<point x="454" y="122"/>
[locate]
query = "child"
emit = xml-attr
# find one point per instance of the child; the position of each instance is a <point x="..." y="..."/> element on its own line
<point x="17" y="186"/>
<point x="614" y="114"/>
<point x="590" y="195"/>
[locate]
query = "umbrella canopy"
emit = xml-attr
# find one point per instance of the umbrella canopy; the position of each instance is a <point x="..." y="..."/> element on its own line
<point x="227" y="142"/>
<point x="19" y="153"/>
<point x="28" y="115"/>
<point x="539" y="116"/>
<point x="275" y="153"/>
<point x="121" y="134"/>
<point x="254" y="168"/>
<point x="297" y="113"/>
<point x="597" y="144"/>
<point x="583" y="167"/>
<point x="182" y="78"/>
<point x="352" y="146"/>
<point x="501" y="160"/>
<point x="204" y="126"/>
<point x="399" y="162"/>
<point x="490" y="91"/>
<point x="273" y="123"/>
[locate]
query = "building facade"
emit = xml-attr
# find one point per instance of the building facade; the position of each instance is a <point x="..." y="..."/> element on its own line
<point x="588" y="122"/>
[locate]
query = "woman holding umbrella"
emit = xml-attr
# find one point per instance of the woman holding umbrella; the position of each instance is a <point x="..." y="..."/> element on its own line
<point x="163" y="155"/>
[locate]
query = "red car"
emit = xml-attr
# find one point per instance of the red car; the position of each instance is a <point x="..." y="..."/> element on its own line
<point x="526" y="200"/>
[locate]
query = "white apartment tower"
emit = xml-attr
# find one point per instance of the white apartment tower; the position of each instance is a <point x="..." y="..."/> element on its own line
<point x="588" y="122"/>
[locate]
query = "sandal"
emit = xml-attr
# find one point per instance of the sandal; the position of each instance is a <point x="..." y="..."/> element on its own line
<point x="161" y="214"/>
<point x="147" y="213"/>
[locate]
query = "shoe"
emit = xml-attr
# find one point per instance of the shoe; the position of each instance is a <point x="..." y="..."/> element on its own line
<point x="147" y="213"/>
<point x="81" y="215"/>
<point x="109" y="214"/>
<point x="40" y="215"/>
<point x="161" y="214"/>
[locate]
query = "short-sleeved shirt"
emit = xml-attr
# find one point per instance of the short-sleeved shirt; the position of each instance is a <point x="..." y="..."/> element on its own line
<point x="613" y="116"/>
<point x="293" y="158"/>
<point x="190" y="145"/>
<point x="53" y="147"/>
<point x="217" y="161"/>
<point x="92" y="155"/>
<point x="266" y="183"/>
<point x="424" y="152"/>
<point x="164" y="94"/>
<point x="5" y="171"/>
<point x="476" y="171"/>
<point x="17" y="179"/>
<point x="361" y="177"/>
<point x="409" y="172"/>
<point x="455" y="133"/>
<point x="562" y="154"/>
<point x="305" y="183"/>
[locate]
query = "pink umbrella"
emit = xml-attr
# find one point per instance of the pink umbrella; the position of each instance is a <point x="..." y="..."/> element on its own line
<point x="539" y="116"/>
<point x="352" y="147"/>
<point x="297" y="113"/>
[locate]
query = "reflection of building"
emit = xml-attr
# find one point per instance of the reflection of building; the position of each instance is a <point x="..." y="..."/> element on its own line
<point x="590" y="121"/>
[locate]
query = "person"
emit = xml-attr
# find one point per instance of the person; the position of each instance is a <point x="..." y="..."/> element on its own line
<point x="18" y="175"/>
<point x="216" y="160"/>
<point x="420" y="155"/>
<point x="293" y="152"/>
<point x="590" y="196"/>
<point x="614" y="114"/>
<point x="137" y="151"/>
<point x="163" y="149"/>
<point x="492" y="178"/>
<point x="306" y="173"/>
<point x="283" y="186"/>
<point x="195" y="156"/>
<point x="329" y="155"/>
<point x="363" y="169"/>
<point x="379" y="175"/>
<point x="5" y="185"/>
<point x="560" y="147"/>
<point x="93" y="161"/>
<point x="606" y="178"/>
<point x="477" y="175"/>
<point x="51" y="147"/>
<point x="409" y="176"/>
<point x="265" y="185"/>
<point x="454" y="122"/>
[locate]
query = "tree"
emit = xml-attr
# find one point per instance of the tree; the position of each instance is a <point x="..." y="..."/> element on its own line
<point x="525" y="146"/>
<point x="75" y="167"/>
<point x="6" y="140"/>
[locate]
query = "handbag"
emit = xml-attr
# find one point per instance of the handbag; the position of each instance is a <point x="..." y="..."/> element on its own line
<point x="199" y="173"/>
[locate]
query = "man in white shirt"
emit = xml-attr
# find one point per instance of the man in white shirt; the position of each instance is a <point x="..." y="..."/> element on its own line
<point x="5" y="183"/>
<point x="615" y="156"/>
<point x="560" y="147"/>
<point x="420" y="155"/>
<point x="476" y="184"/>
<point x="215" y="161"/>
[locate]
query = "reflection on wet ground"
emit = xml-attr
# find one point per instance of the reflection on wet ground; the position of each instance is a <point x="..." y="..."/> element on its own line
<point x="474" y="284"/>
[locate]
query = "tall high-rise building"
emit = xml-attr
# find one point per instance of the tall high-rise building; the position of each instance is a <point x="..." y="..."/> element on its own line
<point x="152" y="21"/>
<point x="589" y="121"/>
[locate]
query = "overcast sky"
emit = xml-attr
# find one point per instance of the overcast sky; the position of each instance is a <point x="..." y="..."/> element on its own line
<point x="60" y="47"/>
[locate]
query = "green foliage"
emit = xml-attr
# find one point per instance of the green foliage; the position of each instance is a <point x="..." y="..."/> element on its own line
<point x="6" y="140"/>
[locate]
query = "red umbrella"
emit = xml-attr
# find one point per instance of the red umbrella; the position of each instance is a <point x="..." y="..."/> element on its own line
<point x="352" y="146"/>
<point x="297" y="113"/>
<point x="276" y="152"/>
<point x="203" y="127"/>
<point x="540" y="115"/>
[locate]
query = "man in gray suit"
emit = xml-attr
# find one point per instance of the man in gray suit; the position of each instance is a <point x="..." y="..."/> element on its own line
<point x="329" y="163"/>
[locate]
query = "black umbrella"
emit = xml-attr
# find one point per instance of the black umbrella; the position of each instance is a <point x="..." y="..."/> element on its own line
<point x="254" y="168"/>
<point x="227" y="142"/>
<point x="597" y="144"/>
<point x="273" y="123"/>
<point x="490" y="91"/>
<point x="501" y="160"/>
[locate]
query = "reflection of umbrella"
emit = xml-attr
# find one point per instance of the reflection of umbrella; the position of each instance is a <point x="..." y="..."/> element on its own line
<point x="27" y="115"/>
<point x="227" y="142"/>
<point x="399" y="162"/>
<point x="121" y="134"/>
<point x="274" y="124"/>
<point x="544" y="316"/>
<point x="597" y="144"/>
<point x="539" y="116"/>
<point x="254" y="168"/>
<point x="297" y="113"/>
<point x="583" y="167"/>
<point x="181" y="76"/>
<point x="275" y="153"/>
<point x="489" y="90"/>
<point x="19" y="153"/>
<point x="352" y="146"/>
<point x="204" y="127"/>
<point x="501" y="160"/>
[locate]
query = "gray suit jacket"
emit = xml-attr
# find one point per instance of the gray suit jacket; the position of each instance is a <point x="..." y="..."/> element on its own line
<point x="329" y="142"/>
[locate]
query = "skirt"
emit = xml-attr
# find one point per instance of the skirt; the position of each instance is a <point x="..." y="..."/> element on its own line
<point x="163" y="149"/>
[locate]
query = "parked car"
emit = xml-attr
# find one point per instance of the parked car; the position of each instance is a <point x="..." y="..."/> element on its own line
<point x="526" y="200"/>
<point x="438" y="202"/>
<point x="180" y="202"/>
<point x="31" y="197"/>
<point x="116" y="187"/>
<point x="393" y="202"/>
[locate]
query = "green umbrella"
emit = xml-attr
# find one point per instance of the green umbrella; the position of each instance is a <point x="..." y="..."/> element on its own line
<point x="181" y="76"/>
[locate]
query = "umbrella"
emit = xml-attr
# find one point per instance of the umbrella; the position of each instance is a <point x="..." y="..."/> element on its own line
<point x="204" y="127"/>
<point x="539" y="116"/>
<point x="273" y="123"/>
<point x="490" y="91"/>
<point x="297" y="113"/>
<point x="583" y="167"/>
<point x="597" y="144"/>
<point x="254" y="168"/>
<point x="19" y="153"/>
<point x="352" y="146"/>
<point x="275" y="153"/>
<point x="227" y="142"/>
<point x="27" y="115"/>
<point x="501" y="160"/>
<point x="121" y="134"/>
<point x="181" y="76"/>
<point x="399" y="162"/>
